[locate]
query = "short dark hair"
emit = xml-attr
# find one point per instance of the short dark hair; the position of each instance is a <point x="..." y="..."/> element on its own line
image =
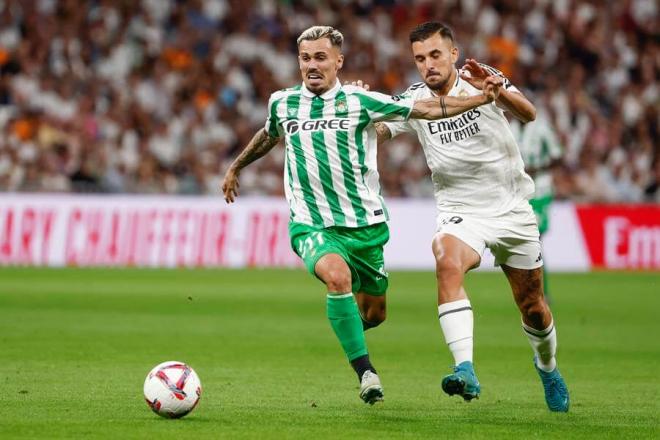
<point x="426" y="30"/>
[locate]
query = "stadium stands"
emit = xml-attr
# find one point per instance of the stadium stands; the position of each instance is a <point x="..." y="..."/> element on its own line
<point x="156" y="96"/>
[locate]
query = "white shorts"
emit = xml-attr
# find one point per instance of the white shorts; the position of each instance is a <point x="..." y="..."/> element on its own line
<point x="513" y="237"/>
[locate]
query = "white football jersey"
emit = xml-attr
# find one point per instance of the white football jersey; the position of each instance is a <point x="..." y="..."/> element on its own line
<point x="475" y="162"/>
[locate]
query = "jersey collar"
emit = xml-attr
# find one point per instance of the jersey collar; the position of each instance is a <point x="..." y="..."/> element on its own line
<point x="330" y="94"/>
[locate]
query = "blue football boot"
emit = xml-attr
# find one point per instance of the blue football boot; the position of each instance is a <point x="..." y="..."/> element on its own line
<point x="462" y="382"/>
<point x="556" y="392"/>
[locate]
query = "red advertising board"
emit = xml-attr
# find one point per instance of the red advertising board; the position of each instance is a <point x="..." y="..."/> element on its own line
<point x="621" y="236"/>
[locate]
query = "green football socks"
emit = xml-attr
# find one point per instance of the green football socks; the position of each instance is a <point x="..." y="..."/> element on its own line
<point x="345" y="320"/>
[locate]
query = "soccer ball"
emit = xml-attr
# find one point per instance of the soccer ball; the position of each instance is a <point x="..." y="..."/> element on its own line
<point x="172" y="389"/>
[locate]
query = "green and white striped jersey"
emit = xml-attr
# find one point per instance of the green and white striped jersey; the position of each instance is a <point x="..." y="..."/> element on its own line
<point x="539" y="147"/>
<point x="330" y="175"/>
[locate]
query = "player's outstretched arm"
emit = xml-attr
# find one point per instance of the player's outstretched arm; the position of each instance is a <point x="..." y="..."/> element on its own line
<point x="383" y="134"/>
<point x="448" y="106"/>
<point x="260" y="144"/>
<point x="518" y="105"/>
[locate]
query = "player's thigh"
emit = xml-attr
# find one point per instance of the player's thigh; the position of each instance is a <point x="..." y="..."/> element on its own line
<point x="518" y="243"/>
<point x="323" y="255"/>
<point x="459" y="241"/>
<point x="335" y="272"/>
<point x="366" y="253"/>
<point x="369" y="265"/>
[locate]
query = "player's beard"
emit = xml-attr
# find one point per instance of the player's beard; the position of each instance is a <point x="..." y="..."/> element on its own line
<point x="437" y="86"/>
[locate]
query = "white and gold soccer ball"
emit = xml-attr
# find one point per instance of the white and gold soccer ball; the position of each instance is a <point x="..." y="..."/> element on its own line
<point x="172" y="389"/>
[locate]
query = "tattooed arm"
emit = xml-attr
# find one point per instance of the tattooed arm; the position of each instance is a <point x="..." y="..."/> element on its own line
<point x="383" y="133"/>
<point x="447" y="106"/>
<point x="260" y="144"/>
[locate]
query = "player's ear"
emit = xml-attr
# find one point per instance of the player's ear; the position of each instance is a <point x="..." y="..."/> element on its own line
<point x="340" y="61"/>
<point x="454" y="54"/>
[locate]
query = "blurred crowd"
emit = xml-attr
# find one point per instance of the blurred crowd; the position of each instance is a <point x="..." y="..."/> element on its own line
<point x="157" y="96"/>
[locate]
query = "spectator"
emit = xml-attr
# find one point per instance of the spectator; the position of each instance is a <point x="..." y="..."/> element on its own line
<point x="152" y="96"/>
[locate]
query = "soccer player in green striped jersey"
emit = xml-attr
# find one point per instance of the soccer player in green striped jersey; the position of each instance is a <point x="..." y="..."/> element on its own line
<point x="541" y="152"/>
<point x="338" y="217"/>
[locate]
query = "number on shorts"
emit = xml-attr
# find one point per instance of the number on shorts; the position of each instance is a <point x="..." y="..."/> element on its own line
<point x="455" y="220"/>
<point x="307" y="246"/>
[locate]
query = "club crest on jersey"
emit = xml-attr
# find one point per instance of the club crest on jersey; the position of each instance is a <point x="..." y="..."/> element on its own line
<point x="291" y="111"/>
<point x="340" y="106"/>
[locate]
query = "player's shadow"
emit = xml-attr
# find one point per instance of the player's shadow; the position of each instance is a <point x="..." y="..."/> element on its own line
<point x="189" y="420"/>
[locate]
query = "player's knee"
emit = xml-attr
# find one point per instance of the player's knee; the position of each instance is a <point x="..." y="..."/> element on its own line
<point x="447" y="267"/>
<point x="534" y="308"/>
<point x="338" y="280"/>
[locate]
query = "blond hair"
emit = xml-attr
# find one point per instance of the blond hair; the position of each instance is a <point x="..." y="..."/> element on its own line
<point x="318" y="32"/>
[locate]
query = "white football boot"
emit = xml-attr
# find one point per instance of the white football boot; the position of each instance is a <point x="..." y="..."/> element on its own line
<point x="371" y="391"/>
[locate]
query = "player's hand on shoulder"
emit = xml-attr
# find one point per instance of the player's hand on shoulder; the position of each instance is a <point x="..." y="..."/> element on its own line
<point x="473" y="73"/>
<point x="230" y="185"/>
<point x="359" y="83"/>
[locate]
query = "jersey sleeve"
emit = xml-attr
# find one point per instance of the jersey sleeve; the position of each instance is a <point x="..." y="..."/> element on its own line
<point x="507" y="84"/>
<point x="398" y="127"/>
<point x="381" y="107"/>
<point x="273" y="126"/>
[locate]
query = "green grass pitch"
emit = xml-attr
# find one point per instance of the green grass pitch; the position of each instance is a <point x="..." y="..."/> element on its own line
<point x="75" y="346"/>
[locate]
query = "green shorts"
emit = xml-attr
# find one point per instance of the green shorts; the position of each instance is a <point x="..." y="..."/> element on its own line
<point x="541" y="207"/>
<point x="361" y="248"/>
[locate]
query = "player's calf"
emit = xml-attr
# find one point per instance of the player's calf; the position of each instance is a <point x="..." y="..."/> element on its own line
<point x="372" y="318"/>
<point x="372" y="310"/>
<point x="535" y="311"/>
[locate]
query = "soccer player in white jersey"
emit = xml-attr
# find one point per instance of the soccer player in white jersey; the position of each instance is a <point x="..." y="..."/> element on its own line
<point x="338" y="217"/>
<point x="481" y="190"/>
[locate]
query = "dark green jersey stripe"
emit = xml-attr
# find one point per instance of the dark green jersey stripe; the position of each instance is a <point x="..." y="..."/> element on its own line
<point x="346" y="165"/>
<point x="293" y="103"/>
<point x="325" y="173"/>
<point x="272" y="128"/>
<point x="361" y="150"/>
<point x="359" y="141"/>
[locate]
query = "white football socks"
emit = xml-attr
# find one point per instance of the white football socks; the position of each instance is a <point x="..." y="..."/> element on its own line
<point x="457" y="324"/>
<point x="544" y="344"/>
